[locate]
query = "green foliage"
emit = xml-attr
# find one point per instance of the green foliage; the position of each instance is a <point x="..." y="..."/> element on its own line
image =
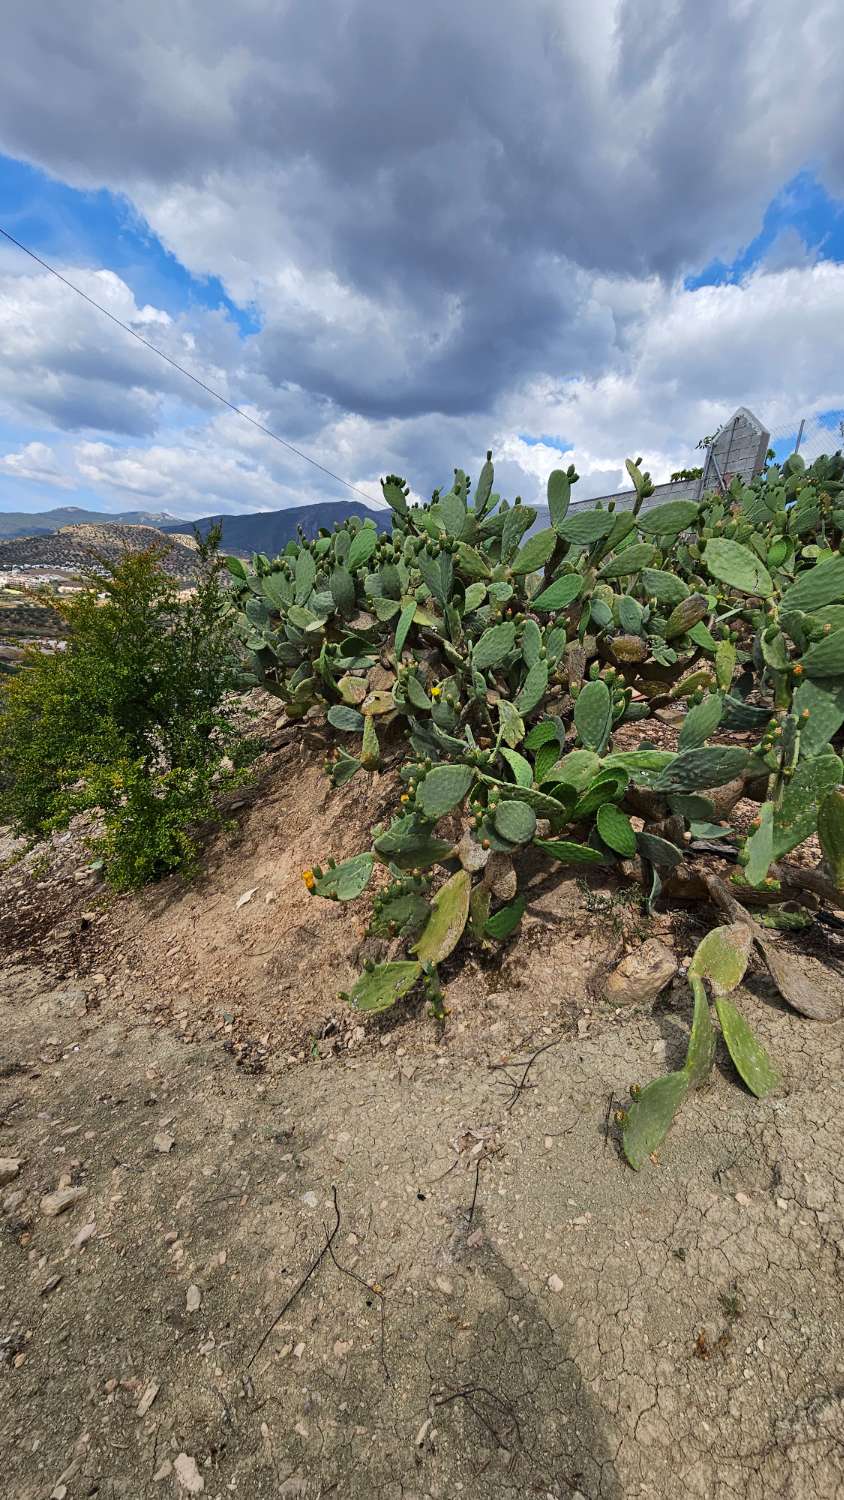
<point x="128" y="719"/>
<point x="515" y="657"/>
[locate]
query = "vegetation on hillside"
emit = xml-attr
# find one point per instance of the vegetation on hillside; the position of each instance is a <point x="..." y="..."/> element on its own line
<point x="505" y="662"/>
<point x="128" y="719"/>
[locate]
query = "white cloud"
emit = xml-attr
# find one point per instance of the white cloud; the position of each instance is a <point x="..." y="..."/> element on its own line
<point x="457" y="224"/>
<point x="37" y="462"/>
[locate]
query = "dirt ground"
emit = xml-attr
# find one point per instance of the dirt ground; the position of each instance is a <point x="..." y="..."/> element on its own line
<point x="505" y="1308"/>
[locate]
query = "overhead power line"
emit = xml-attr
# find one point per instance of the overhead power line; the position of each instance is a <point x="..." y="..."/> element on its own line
<point x="238" y="410"/>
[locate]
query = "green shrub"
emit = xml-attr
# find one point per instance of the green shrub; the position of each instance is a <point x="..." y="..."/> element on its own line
<point x="128" y="719"/>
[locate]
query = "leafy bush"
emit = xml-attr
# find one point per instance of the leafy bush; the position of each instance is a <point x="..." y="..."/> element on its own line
<point x="506" y="659"/>
<point x="128" y="718"/>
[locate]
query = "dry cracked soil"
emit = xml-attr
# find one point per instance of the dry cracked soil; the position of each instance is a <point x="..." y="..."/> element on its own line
<point x="497" y="1306"/>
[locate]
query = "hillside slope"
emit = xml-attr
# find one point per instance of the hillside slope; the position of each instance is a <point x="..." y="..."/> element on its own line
<point x="43" y="522"/>
<point x="75" y="548"/>
<point x="270" y="531"/>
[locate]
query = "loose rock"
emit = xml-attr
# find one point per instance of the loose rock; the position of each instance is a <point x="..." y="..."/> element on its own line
<point x="60" y="1201"/>
<point x="193" y="1298"/>
<point x="188" y="1474"/>
<point x="147" y="1398"/>
<point x="9" y="1168"/>
<point x="642" y="974"/>
<point x="163" y="1142"/>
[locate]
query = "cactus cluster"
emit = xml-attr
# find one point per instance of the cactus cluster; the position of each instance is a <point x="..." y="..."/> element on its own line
<point x="500" y="661"/>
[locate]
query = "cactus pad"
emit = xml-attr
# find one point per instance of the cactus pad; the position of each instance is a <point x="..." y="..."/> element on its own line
<point x="442" y="789"/>
<point x="346" y="881"/>
<point x="593" y="715"/>
<point x="444" y="928"/>
<point x="379" y="988"/>
<point x="722" y="957"/>
<point x="651" y="1115"/>
<point x="515" y="821"/>
<point x="749" y="1056"/>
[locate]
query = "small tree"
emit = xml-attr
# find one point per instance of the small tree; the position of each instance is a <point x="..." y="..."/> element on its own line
<point x="127" y="718"/>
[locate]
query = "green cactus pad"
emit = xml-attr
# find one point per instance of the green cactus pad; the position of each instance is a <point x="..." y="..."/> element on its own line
<point x="515" y="821"/>
<point x="629" y="560"/>
<point x="379" y="988"/>
<point x="795" y="819"/>
<point x="722" y="957"/>
<point x="586" y="527"/>
<point x="701" y="1050"/>
<point x="725" y="664"/>
<point x="370" y="753"/>
<point x="520" y="766"/>
<point x="559" y="495"/>
<point x="494" y="646"/>
<point x="362" y="546"/>
<point x="698" y="770"/>
<point x="341" y="716"/>
<point x="569" y="852"/>
<point x="738" y="567"/>
<point x="651" y="1115"/>
<point x="616" y="830"/>
<point x="660" y="852"/>
<point x="444" y="928"/>
<point x="593" y="716"/>
<point x="684" y="615"/>
<point x="410" y="844"/>
<point x="665" y="588"/>
<point x="668" y="519"/>
<point x="506" y="919"/>
<point x="442" y="789"/>
<point x="701" y="722"/>
<point x="346" y="881"/>
<point x="533" y="689"/>
<point x="559" y="594"/>
<point x="823" y="584"/>
<point x="831" y="834"/>
<point x="759" y="848"/>
<point x="825" y="703"/>
<point x="826" y="657"/>
<point x="400" y="916"/>
<point x="535" y="552"/>
<point x="479" y="904"/>
<point x="749" y="1056"/>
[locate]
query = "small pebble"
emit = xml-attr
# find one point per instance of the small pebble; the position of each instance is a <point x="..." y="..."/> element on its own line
<point x="193" y="1298"/>
<point x="554" y="1283"/>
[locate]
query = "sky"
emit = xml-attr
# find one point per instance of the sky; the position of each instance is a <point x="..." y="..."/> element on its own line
<point x="401" y="235"/>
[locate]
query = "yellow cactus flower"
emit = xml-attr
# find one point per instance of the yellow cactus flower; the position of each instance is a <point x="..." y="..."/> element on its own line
<point x="308" y="877"/>
<point x="436" y="691"/>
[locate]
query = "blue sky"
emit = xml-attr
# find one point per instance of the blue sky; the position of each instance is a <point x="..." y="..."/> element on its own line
<point x="397" y="266"/>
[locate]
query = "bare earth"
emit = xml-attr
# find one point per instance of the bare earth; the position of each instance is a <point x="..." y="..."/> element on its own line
<point x="506" y="1310"/>
<point x="689" y="1341"/>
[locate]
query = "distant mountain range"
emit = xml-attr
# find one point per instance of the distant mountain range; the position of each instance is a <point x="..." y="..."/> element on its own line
<point x="269" y="531"/>
<point x="45" y="522"/>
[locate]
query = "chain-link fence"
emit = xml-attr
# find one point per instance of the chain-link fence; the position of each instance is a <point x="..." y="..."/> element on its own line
<point x="810" y="436"/>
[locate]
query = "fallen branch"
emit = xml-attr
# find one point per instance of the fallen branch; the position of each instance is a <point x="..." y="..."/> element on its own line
<point x="303" y="1283"/>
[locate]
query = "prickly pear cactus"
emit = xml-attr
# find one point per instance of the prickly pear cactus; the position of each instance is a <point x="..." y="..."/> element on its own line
<point x="500" y="668"/>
